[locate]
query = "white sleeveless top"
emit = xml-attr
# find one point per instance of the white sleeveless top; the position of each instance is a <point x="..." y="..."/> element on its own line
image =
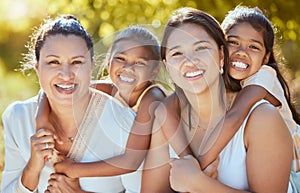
<point x="232" y="165"/>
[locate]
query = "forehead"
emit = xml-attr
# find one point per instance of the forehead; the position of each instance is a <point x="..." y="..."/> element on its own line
<point x="187" y="33"/>
<point x="133" y="47"/>
<point x="58" y="44"/>
<point x="246" y="31"/>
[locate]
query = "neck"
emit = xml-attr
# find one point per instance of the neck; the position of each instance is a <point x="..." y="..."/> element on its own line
<point x="132" y="97"/>
<point x="69" y="117"/>
<point x="208" y="105"/>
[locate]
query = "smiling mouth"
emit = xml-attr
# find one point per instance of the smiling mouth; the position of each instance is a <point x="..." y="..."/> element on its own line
<point x="240" y="65"/>
<point x="126" y="79"/>
<point x="66" y="89"/>
<point x="194" y="74"/>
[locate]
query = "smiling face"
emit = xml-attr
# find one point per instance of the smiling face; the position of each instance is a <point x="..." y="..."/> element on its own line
<point x="131" y="66"/>
<point x="247" y="51"/>
<point x="193" y="58"/>
<point x="64" y="69"/>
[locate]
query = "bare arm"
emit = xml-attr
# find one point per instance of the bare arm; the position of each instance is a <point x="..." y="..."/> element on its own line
<point x="108" y="88"/>
<point x="136" y="147"/>
<point x="156" y="170"/>
<point x="173" y="132"/>
<point x="234" y="118"/>
<point x="42" y="114"/>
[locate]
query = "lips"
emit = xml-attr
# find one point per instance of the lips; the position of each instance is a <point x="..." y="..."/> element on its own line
<point x="194" y="74"/>
<point x="126" y="78"/>
<point x="239" y="65"/>
<point x="66" y="88"/>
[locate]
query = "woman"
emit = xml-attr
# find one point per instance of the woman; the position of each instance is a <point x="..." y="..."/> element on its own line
<point x="194" y="52"/>
<point x="62" y="53"/>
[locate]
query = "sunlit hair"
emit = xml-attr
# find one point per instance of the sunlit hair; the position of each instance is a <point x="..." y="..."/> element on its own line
<point x="143" y="36"/>
<point x="260" y="23"/>
<point x="64" y="25"/>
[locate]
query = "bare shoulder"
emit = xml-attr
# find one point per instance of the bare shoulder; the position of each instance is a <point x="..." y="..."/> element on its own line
<point x="154" y="94"/>
<point x="265" y="122"/>
<point x="106" y="87"/>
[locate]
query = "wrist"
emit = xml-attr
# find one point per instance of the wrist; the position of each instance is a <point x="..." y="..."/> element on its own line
<point x="197" y="179"/>
<point x="31" y="170"/>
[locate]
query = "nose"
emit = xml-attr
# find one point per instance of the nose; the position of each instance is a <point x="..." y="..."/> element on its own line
<point x="129" y="65"/>
<point x="191" y="60"/>
<point x="241" y="51"/>
<point x="66" y="72"/>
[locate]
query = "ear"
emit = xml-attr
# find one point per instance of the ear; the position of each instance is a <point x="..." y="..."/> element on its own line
<point x="266" y="58"/>
<point x="108" y="60"/>
<point x="36" y="66"/>
<point x="165" y="63"/>
<point x="222" y="56"/>
<point x="155" y="71"/>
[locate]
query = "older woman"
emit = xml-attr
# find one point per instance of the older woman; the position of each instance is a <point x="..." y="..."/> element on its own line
<point x="62" y="54"/>
<point x="195" y="54"/>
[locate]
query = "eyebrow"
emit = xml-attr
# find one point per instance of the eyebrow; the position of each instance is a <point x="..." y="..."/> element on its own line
<point x="197" y="42"/>
<point x="52" y="55"/>
<point x="252" y="40"/>
<point x="124" y="53"/>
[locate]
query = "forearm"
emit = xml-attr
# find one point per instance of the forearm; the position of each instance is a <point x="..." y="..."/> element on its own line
<point x="30" y="178"/>
<point x="118" y="165"/>
<point x="211" y="185"/>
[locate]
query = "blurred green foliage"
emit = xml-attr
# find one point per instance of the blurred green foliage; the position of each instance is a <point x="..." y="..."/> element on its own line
<point x="104" y="17"/>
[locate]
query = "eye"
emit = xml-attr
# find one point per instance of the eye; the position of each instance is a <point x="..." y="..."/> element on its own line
<point x="77" y="62"/>
<point x="53" y="62"/>
<point x="141" y="63"/>
<point x="119" y="58"/>
<point x="200" y="47"/>
<point x="254" y="47"/>
<point x="176" y="53"/>
<point x="232" y="42"/>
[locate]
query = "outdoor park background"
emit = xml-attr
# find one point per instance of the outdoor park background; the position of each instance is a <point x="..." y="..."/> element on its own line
<point x="104" y="17"/>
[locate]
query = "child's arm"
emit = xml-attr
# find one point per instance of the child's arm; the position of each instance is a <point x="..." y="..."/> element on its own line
<point x="234" y="118"/>
<point x="106" y="87"/>
<point x="42" y="116"/>
<point x="136" y="147"/>
<point x="42" y="112"/>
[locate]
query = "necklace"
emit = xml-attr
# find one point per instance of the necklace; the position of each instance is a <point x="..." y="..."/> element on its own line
<point x="70" y="139"/>
<point x="61" y="132"/>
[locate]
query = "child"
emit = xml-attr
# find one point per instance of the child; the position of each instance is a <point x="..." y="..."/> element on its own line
<point x="133" y="65"/>
<point x="250" y="39"/>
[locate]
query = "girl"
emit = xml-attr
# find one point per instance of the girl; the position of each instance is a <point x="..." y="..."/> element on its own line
<point x="133" y="65"/>
<point x="250" y="38"/>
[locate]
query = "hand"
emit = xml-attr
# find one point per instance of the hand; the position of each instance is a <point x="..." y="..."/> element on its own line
<point x="41" y="123"/>
<point x="212" y="169"/>
<point x="59" y="183"/>
<point x="183" y="172"/>
<point x="65" y="166"/>
<point x="42" y="146"/>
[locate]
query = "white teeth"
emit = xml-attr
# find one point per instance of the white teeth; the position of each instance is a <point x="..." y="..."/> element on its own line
<point x="193" y="74"/>
<point x="66" y="87"/>
<point x="240" y="65"/>
<point x="126" y="79"/>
